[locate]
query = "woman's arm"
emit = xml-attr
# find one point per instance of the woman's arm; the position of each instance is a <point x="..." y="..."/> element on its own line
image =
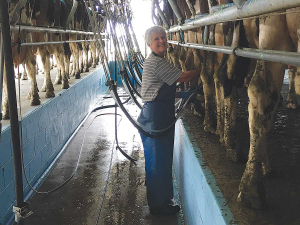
<point x="187" y="76"/>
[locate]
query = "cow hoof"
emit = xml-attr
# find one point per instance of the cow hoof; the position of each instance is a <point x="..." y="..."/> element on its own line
<point x="24" y="78"/>
<point x="86" y="70"/>
<point x="43" y="89"/>
<point x="209" y="129"/>
<point x="291" y="105"/>
<point x="50" y="95"/>
<point x="77" y="76"/>
<point x="65" y="86"/>
<point x="254" y="202"/>
<point x="232" y="155"/>
<point x="35" y="102"/>
<point x="94" y="65"/>
<point x="5" y="116"/>
<point x="57" y="82"/>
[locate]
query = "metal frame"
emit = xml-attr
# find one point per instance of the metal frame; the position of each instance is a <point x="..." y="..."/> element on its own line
<point x="291" y="58"/>
<point x="249" y="9"/>
<point x="48" y="30"/>
<point x="54" y="42"/>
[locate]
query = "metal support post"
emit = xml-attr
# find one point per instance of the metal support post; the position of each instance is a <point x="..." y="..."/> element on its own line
<point x="1" y="79"/>
<point x="21" y="209"/>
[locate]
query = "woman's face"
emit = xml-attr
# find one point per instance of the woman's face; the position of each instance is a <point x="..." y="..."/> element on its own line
<point x="159" y="43"/>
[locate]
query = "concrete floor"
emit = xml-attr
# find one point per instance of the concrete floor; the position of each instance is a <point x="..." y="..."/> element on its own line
<point x="106" y="188"/>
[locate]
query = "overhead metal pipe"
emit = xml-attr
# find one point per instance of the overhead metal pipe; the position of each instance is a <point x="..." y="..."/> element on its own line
<point x="290" y="58"/>
<point x="176" y="10"/>
<point x="248" y="9"/>
<point x="14" y="122"/>
<point x="54" y="42"/>
<point x="48" y="30"/>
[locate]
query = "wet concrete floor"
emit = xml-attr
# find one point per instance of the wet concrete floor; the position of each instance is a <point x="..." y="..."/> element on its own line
<point x="106" y="189"/>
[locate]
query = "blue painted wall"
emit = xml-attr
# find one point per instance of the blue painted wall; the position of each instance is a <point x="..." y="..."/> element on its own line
<point x="201" y="198"/>
<point x="45" y="131"/>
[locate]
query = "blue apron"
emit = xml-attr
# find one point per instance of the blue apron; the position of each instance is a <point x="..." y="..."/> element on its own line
<point x="156" y="115"/>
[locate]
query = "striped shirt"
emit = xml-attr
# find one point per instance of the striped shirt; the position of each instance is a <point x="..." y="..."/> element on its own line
<point x="156" y="72"/>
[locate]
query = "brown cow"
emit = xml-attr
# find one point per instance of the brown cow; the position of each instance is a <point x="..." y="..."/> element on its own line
<point x="25" y="55"/>
<point x="264" y="95"/>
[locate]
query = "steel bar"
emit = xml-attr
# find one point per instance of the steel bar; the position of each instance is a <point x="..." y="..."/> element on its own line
<point x="290" y="58"/>
<point x="53" y="42"/>
<point x="48" y="30"/>
<point x="248" y="9"/>
<point x="1" y="73"/>
<point x="1" y="79"/>
<point x="12" y="99"/>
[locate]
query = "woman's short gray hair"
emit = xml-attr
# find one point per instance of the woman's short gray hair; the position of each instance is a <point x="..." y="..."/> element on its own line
<point x="152" y="30"/>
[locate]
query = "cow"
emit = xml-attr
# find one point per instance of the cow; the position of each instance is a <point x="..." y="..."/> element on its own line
<point x="293" y="23"/>
<point x="276" y="32"/>
<point x="22" y="54"/>
<point x="47" y="13"/>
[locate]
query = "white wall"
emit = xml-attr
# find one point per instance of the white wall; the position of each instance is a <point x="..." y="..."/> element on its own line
<point x="141" y="20"/>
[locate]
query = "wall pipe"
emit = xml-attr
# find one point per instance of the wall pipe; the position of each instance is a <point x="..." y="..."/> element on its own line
<point x="290" y="58"/>
<point x="176" y="10"/>
<point x="14" y="122"/>
<point x="248" y="9"/>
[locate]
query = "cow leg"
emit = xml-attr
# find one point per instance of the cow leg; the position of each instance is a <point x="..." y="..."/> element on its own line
<point x="67" y="65"/>
<point x="59" y="56"/>
<point x="263" y="91"/>
<point x="182" y="57"/>
<point x="58" y="77"/>
<point x="75" y="66"/>
<point x="85" y="58"/>
<point x="219" y="77"/>
<point x="30" y="61"/>
<point x="24" y="75"/>
<point x="206" y="76"/>
<point x="80" y="52"/>
<point x="66" y="56"/>
<point x="93" y="54"/>
<point x="47" y="86"/>
<point x="230" y="102"/>
<point x="5" y="104"/>
<point x="251" y="187"/>
<point x="292" y="97"/>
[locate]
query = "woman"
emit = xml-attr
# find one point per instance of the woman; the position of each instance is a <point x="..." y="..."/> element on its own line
<point x="158" y="94"/>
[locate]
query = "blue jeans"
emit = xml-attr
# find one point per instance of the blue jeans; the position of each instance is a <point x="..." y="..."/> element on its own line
<point x="158" y="153"/>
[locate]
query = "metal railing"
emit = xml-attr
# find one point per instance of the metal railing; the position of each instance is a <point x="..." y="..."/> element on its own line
<point x="290" y="58"/>
<point x="249" y="9"/>
<point x="48" y="30"/>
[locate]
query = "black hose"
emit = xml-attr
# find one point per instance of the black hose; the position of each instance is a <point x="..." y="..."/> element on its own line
<point x="62" y="150"/>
